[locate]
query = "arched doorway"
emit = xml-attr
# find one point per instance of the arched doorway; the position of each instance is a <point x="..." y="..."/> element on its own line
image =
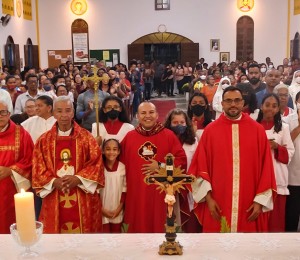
<point x="12" y="55"/>
<point x="245" y="38"/>
<point x="165" y="46"/>
<point x="31" y="55"/>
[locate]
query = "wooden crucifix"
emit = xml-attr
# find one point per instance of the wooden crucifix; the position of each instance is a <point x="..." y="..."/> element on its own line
<point x="96" y="81"/>
<point x="170" y="180"/>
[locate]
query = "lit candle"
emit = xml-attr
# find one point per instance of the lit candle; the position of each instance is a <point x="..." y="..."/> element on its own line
<point x="25" y="216"/>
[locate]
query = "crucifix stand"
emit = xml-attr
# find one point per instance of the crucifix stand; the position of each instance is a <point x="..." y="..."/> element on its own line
<point x="170" y="180"/>
<point x="96" y="81"/>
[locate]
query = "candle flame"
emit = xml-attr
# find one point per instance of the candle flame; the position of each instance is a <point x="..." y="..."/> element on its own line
<point x="22" y="191"/>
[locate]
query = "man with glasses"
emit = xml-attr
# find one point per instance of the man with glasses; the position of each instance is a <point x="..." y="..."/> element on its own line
<point x="5" y="97"/>
<point x="235" y="178"/>
<point x="32" y="92"/>
<point x="15" y="165"/>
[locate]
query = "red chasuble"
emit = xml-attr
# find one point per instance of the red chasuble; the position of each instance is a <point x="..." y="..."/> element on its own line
<point x="16" y="153"/>
<point x="145" y="209"/>
<point x="235" y="157"/>
<point x="55" y="156"/>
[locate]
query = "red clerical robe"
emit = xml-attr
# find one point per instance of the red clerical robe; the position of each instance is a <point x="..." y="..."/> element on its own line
<point x="145" y="209"/>
<point x="234" y="157"/>
<point x="87" y="163"/>
<point x="16" y="153"/>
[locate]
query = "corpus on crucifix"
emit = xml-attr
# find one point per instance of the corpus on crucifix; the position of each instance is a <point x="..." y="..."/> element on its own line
<point x="170" y="180"/>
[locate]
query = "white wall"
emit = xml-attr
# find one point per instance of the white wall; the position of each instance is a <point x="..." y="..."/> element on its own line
<point x="20" y="30"/>
<point x="113" y="24"/>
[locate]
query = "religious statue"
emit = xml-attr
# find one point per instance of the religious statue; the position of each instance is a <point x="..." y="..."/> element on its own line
<point x="170" y="180"/>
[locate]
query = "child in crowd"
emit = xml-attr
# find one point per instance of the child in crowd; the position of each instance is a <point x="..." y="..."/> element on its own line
<point x="282" y="151"/>
<point x="113" y="194"/>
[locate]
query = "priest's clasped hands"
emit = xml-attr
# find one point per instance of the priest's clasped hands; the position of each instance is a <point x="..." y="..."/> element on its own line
<point x="66" y="183"/>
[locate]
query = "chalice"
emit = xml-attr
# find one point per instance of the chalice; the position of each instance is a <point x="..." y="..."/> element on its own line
<point x="27" y="254"/>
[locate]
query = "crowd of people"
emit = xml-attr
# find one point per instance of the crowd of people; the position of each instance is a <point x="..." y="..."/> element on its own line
<point x="239" y="137"/>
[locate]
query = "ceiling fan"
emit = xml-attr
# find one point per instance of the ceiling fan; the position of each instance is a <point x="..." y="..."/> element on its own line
<point x="5" y="19"/>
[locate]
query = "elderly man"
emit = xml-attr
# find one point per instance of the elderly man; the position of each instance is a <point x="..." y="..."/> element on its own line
<point x="15" y="165"/>
<point x="143" y="151"/>
<point x="67" y="171"/>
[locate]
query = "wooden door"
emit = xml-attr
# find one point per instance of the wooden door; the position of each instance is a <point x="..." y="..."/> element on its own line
<point x="31" y="55"/>
<point x="135" y="51"/>
<point x="189" y="52"/>
<point x="12" y="55"/>
<point x="245" y="38"/>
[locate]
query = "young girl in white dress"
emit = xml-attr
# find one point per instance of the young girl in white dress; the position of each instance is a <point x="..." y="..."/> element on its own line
<point x="113" y="194"/>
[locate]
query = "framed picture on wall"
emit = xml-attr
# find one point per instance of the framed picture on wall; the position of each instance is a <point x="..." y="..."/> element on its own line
<point x="225" y="57"/>
<point x="215" y="45"/>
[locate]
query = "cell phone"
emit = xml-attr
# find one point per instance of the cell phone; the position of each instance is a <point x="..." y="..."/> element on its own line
<point x="117" y="80"/>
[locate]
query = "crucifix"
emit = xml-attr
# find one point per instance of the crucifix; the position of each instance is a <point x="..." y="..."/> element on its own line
<point x="96" y="81"/>
<point x="170" y="180"/>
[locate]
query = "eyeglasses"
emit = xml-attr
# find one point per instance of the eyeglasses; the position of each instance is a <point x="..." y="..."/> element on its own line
<point x="4" y="112"/>
<point x="236" y="101"/>
<point x="112" y="107"/>
<point x="283" y="95"/>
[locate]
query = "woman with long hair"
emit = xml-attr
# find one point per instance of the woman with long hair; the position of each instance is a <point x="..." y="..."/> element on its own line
<point x="282" y="152"/>
<point x="199" y="113"/>
<point x="114" y="122"/>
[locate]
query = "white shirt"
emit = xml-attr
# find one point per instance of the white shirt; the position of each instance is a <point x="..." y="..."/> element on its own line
<point x="4" y="96"/>
<point x="283" y="138"/>
<point x="294" y="165"/>
<point x="125" y="128"/>
<point x="21" y="100"/>
<point x="36" y="126"/>
<point x="115" y="184"/>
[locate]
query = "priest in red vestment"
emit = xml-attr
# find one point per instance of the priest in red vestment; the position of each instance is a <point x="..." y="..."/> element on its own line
<point x="67" y="172"/>
<point x="236" y="184"/>
<point x="15" y="165"/>
<point x="143" y="151"/>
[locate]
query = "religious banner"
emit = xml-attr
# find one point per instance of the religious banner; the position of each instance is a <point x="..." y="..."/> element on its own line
<point x="296" y="7"/>
<point x="8" y="7"/>
<point x="80" y="47"/>
<point x="245" y="5"/>
<point x="27" y="9"/>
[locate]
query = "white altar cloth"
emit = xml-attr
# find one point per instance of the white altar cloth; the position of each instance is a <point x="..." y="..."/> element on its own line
<point x="239" y="246"/>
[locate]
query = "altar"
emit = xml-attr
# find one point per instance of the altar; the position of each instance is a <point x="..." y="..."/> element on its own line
<point x="145" y="246"/>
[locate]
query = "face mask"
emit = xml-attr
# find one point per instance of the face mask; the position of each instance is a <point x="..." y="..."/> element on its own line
<point x="298" y="106"/>
<point x="254" y="81"/>
<point x="271" y="66"/>
<point x="3" y="82"/>
<point x="263" y="70"/>
<point x="47" y="87"/>
<point x="289" y="64"/>
<point x="178" y="129"/>
<point x="112" y="114"/>
<point x="298" y="80"/>
<point x="225" y="86"/>
<point x="198" y="110"/>
<point x="203" y="77"/>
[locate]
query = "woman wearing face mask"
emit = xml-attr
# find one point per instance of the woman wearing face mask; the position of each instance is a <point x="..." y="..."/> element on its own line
<point x="263" y="71"/>
<point x="178" y="122"/>
<point x="294" y="88"/>
<point x="198" y="111"/>
<point x="114" y="122"/>
<point x="216" y="104"/>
